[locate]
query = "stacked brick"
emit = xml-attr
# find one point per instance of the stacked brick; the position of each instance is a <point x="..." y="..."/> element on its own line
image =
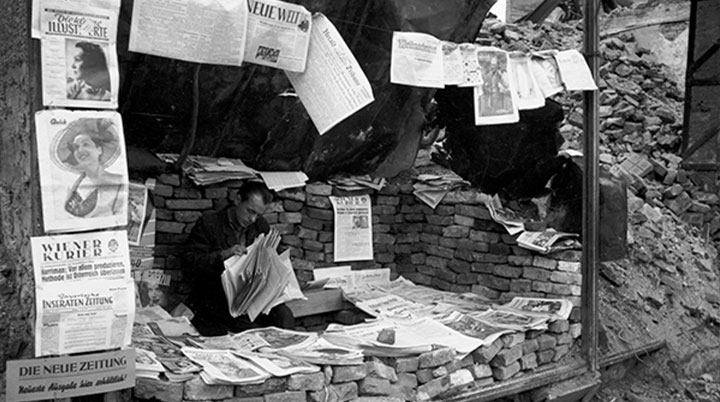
<point x="455" y="247"/>
<point x="414" y="378"/>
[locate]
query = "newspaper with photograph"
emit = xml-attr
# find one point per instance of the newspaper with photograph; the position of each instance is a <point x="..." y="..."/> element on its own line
<point x="495" y="99"/>
<point x="84" y="295"/>
<point x="78" y="55"/>
<point x="223" y="367"/>
<point x="333" y="86"/>
<point x="417" y="59"/>
<point x="278" y="34"/>
<point x="553" y="309"/>
<point x="574" y="71"/>
<point x="529" y="95"/>
<point x="153" y="287"/>
<point x="198" y="31"/>
<point x="511" y="320"/>
<point x="83" y="170"/>
<point x="353" y="239"/>
<point x="548" y="240"/>
<point x="147" y="365"/>
<point x="272" y="338"/>
<point x="177" y="366"/>
<point x="322" y="352"/>
<point x="277" y="365"/>
<point x="546" y="73"/>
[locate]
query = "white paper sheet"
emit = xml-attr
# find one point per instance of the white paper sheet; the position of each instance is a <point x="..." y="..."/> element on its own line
<point x="452" y="64"/>
<point x="417" y="60"/>
<point x="333" y="86"/>
<point x="546" y="73"/>
<point x="278" y="181"/>
<point x="529" y="95"/>
<point x="574" y="71"/>
<point x="199" y="31"/>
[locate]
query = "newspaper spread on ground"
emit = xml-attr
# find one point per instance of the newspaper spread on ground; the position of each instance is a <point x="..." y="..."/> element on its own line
<point x="544" y="242"/>
<point x="83" y="170"/>
<point x="574" y="71"/>
<point x="199" y="31"/>
<point x="495" y="100"/>
<point x="452" y="64"/>
<point x="84" y="295"/>
<point x="417" y="60"/>
<point x="554" y="309"/>
<point x="137" y="205"/>
<point x="273" y="338"/>
<point x="36" y="29"/>
<point x="278" y="34"/>
<point x="78" y="55"/>
<point x="545" y="69"/>
<point x="333" y="86"/>
<point x="223" y="367"/>
<point x="353" y="239"/>
<point x="510" y="221"/>
<point x="472" y="74"/>
<point x="529" y="95"/>
<point x="277" y="365"/>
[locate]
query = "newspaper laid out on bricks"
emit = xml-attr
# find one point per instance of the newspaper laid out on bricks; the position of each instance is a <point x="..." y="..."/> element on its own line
<point x="278" y="34"/>
<point x="84" y="295"/>
<point x="78" y="55"/>
<point x="574" y="71"/>
<point x="276" y="365"/>
<point x="83" y="170"/>
<point x="556" y="309"/>
<point x="546" y="241"/>
<point x="353" y="239"/>
<point x="417" y="60"/>
<point x="495" y="99"/>
<point x="333" y="86"/>
<point x="529" y="95"/>
<point x="36" y="30"/>
<point x="199" y="31"/>
<point x="223" y="367"/>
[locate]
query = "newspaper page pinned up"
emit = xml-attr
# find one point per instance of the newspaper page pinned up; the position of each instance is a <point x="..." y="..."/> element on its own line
<point x="78" y="56"/>
<point x="278" y="34"/>
<point x="83" y="169"/>
<point x="452" y="64"/>
<point x="333" y="86"/>
<point x="546" y="73"/>
<point x="495" y="100"/>
<point x="529" y="95"/>
<point x="471" y="73"/>
<point x="353" y="240"/>
<point x="137" y="205"/>
<point x="199" y="31"/>
<point x="417" y="60"/>
<point x="574" y="71"/>
<point x="70" y="376"/>
<point x="84" y="295"/>
<point x="36" y="30"/>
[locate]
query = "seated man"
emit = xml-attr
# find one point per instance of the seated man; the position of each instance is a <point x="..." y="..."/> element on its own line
<point x="214" y="238"/>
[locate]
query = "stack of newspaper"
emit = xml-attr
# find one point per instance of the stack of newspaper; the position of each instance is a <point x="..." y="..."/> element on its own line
<point x="177" y="367"/>
<point x="147" y="365"/>
<point x="357" y="183"/>
<point x="432" y="188"/>
<point x="259" y="280"/>
<point x="204" y="170"/>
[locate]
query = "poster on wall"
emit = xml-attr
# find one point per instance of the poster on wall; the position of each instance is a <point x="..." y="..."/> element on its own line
<point x="83" y="169"/>
<point x="353" y="239"/>
<point x="333" y="86"/>
<point x="65" y="377"/>
<point x="84" y="295"/>
<point x="78" y="56"/>
<point x="278" y="34"/>
<point x="198" y="31"/>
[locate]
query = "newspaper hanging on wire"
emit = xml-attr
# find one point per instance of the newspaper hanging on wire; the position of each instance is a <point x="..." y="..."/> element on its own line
<point x="78" y="55"/>
<point x="333" y="86"/>
<point x="84" y="295"/>
<point x="495" y="99"/>
<point x="83" y="170"/>
<point x="353" y="240"/>
<point x="278" y="34"/>
<point x="199" y="31"/>
<point x="417" y="60"/>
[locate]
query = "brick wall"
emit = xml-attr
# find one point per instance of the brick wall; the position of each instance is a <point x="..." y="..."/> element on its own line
<point x="455" y="247"/>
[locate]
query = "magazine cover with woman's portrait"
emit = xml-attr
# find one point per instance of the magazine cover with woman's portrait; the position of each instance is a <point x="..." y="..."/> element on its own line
<point x="83" y="170"/>
<point x="79" y="59"/>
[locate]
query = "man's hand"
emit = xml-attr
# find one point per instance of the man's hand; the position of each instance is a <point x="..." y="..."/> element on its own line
<point x="234" y="250"/>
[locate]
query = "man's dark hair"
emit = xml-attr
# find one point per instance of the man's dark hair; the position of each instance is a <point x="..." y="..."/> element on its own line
<point x="254" y="187"/>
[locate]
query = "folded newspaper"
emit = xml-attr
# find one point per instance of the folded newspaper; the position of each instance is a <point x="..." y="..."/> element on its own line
<point x="510" y="221"/>
<point x="547" y="241"/>
<point x="554" y="309"/>
<point x="259" y="280"/>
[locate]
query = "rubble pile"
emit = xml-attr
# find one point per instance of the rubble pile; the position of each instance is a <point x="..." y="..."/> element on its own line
<point x="640" y="119"/>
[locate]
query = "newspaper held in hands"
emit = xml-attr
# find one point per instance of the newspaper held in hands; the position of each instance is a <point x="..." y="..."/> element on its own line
<point x="223" y="367"/>
<point x="417" y="60"/>
<point x="553" y="309"/>
<point x="545" y="241"/>
<point x="333" y="86"/>
<point x="278" y="34"/>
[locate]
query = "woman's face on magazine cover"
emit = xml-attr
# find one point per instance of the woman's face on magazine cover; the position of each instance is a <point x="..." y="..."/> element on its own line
<point x="86" y="152"/>
<point x="77" y="63"/>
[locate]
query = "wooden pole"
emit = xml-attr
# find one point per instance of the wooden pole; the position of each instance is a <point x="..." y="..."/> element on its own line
<point x="591" y="194"/>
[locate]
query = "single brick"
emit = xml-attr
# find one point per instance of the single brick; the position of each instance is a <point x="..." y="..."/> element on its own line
<point x="290" y="217"/>
<point x="292" y="206"/>
<point x="424" y="375"/>
<point x="507" y="356"/>
<point x="171" y="179"/>
<point x="546" y="342"/>
<point x="436" y="358"/>
<point x="440" y="251"/>
<point x="559" y="326"/>
<point x="481" y="371"/>
<point x="348" y="373"/>
<point x="512" y="340"/>
<point x="456" y="231"/>
<point x="568" y="266"/>
<point x="528" y="361"/>
<point x="507" y="271"/>
<point x="433" y="388"/>
<point x="520" y="260"/>
<point x="307" y="382"/>
<point x="292" y="396"/>
<point x="318" y="189"/>
<point x="460" y="377"/>
<point x="187" y="193"/>
<point x="484" y="237"/>
<point x="440" y="371"/>
<point x="169" y="227"/>
<point x="188" y="204"/>
<point x="163" y="190"/>
<point x="504" y="372"/>
<point x="373" y="386"/>
<point x="530" y="346"/>
<point x="545" y="356"/>
<point x="560" y="352"/>
<point x="320" y="214"/>
<point x="566" y="278"/>
<point x="486" y="353"/>
<point x="406" y="364"/>
<point x="473" y="211"/>
<point x="543" y="262"/>
<point x="521" y="286"/>
<point x="564" y="339"/>
<point x="463" y="220"/>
